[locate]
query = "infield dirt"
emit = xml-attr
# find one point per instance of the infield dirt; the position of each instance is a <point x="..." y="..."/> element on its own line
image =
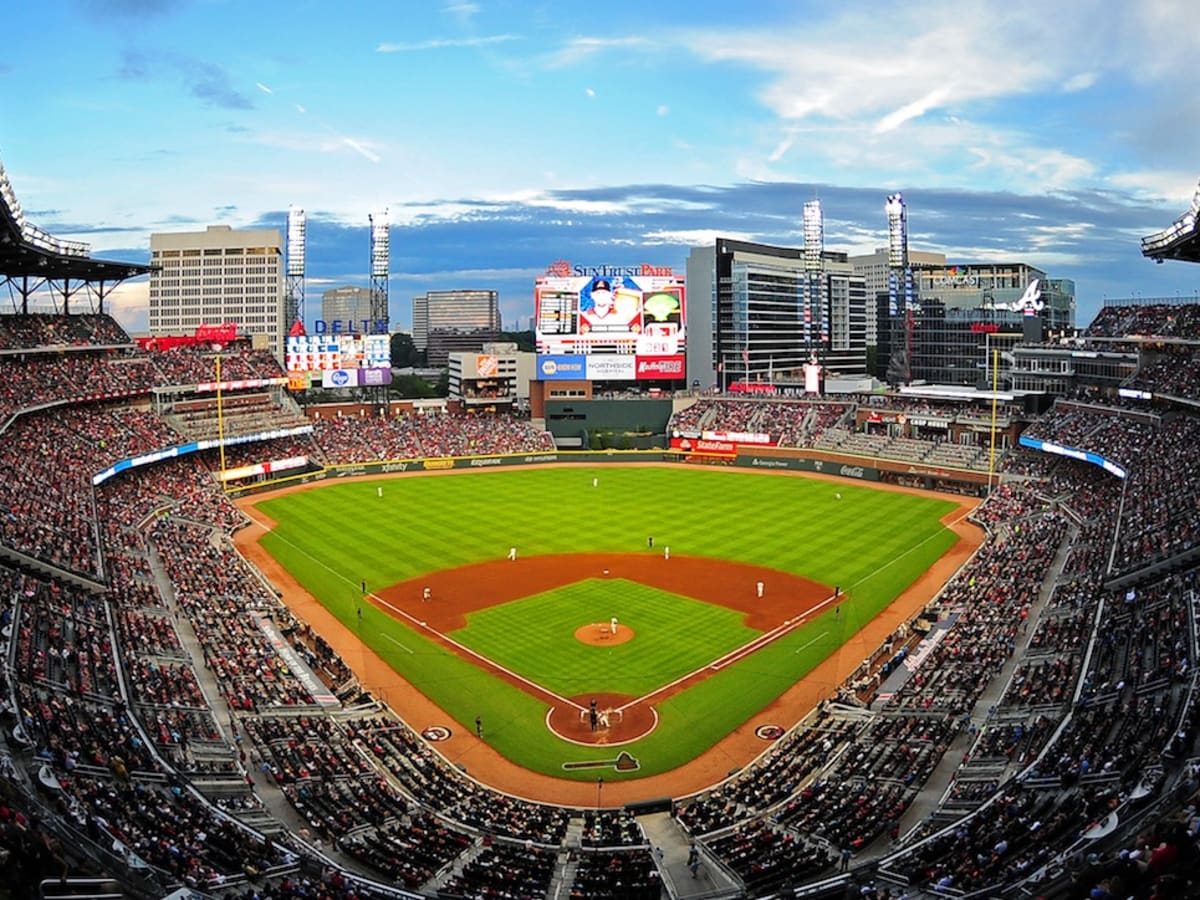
<point x="459" y="591"/>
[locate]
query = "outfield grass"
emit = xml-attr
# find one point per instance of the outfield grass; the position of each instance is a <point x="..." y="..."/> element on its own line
<point x="872" y="543"/>
<point x="535" y="637"/>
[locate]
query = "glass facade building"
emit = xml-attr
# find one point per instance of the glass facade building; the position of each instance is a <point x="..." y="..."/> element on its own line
<point x="756" y="328"/>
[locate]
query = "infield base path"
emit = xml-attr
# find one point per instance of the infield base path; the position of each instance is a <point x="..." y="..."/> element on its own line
<point x="729" y="754"/>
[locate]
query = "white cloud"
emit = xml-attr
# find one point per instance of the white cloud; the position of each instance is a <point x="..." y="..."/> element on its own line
<point x="129" y="304"/>
<point x="1034" y="168"/>
<point x="446" y="43"/>
<point x="361" y="149"/>
<point x="462" y="11"/>
<point x="1041" y="237"/>
<point x="1081" y="81"/>
<point x="583" y="49"/>
<point x="262" y="87"/>
<point x="1175" y="188"/>
<point x="662" y="110"/>
<point x="913" y="110"/>
<point x="881" y="73"/>
<point x="692" y="237"/>
<point x="591" y="92"/>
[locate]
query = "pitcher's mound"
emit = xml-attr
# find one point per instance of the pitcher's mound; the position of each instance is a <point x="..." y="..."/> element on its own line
<point x="600" y="634"/>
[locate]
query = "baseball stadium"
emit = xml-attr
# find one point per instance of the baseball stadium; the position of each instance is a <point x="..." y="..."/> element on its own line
<point x="800" y="645"/>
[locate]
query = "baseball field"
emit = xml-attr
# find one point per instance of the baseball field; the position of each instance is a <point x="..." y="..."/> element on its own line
<point x="674" y="602"/>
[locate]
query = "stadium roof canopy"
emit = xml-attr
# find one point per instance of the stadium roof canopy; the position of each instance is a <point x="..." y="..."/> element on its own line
<point x="1180" y="241"/>
<point x="27" y="251"/>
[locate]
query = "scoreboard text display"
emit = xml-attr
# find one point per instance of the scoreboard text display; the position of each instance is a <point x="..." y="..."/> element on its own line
<point x="637" y="315"/>
<point x="330" y="352"/>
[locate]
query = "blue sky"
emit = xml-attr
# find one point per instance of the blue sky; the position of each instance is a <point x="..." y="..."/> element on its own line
<point x="502" y="136"/>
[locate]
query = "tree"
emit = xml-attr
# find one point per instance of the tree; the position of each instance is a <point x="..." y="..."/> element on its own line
<point x="523" y="339"/>
<point x="404" y="352"/>
<point x="411" y="387"/>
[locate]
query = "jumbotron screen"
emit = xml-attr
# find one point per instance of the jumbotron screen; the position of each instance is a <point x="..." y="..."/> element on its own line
<point x="633" y="314"/>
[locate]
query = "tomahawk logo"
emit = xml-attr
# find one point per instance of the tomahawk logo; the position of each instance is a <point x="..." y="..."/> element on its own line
<point x="1031" y="303"/>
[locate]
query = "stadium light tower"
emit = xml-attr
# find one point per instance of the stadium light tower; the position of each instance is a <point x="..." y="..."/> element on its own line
<point x="380" y="239"/>
<point x="293" y="308"/>
<point x="901" y="289"/>
<point x="815" y="314"/>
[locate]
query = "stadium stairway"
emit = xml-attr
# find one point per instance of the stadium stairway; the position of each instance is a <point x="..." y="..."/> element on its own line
<point x="930" y="797"/>
<point x="671" y="845"/>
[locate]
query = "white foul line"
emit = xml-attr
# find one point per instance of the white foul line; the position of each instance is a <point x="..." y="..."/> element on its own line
<point x="396" y="642"/>
<point x="813" y="641"/>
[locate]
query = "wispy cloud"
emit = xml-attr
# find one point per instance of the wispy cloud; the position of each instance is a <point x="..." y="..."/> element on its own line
<point x="207" y="81"/>
<point x="447" y="43"/>
<point x="464" y="12"/>
<point x="913" y="110"/>
<point x="583" y="49"/>
<point x="361" y="149"/>
<point x="262" y="87"/>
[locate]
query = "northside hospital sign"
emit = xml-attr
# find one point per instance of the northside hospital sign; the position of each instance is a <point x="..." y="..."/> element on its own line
<point x="610" y="322"/>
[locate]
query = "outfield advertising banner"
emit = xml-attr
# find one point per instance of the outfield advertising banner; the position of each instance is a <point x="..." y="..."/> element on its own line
<point x="797" y="464"/>
<point x="561" y="368"/>
<point x="707" y="443"/>
<point x="661" y="368"/>
<point x="611" y="368"/>
<point x="347" y="378"/>
<point x="610" y="310"/>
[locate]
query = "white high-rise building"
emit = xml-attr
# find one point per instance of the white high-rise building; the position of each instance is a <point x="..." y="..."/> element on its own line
<point x="216" y="276"/>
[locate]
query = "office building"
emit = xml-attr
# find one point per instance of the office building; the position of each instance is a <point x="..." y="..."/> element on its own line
<point x="216" y="276"/>
<point x="874" y="269"/>
<point x="746" y="319"/>
<point x="455" y="321"/>
<point x="350" y="306"/>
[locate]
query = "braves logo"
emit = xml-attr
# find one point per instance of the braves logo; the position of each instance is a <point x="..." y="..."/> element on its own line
<point x="560" y="268"/>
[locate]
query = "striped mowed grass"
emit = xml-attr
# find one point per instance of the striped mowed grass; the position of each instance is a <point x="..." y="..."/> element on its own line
<point x="873" y="544"/>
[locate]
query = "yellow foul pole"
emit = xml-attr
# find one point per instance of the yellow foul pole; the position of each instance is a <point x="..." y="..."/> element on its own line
<point x="995" y="400"/>
<point x="220" y="423"/>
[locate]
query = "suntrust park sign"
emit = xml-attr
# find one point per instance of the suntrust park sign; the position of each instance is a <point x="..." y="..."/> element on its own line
<point x="563" y="269"/>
